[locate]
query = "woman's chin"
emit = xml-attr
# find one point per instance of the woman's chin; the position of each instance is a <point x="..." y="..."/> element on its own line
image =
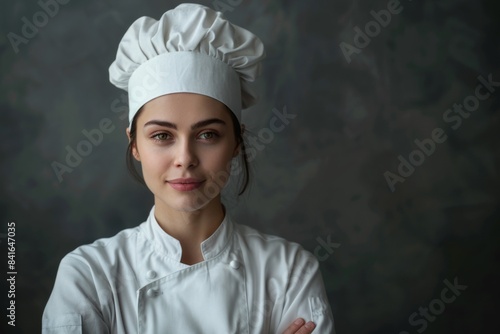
<point x="187" y="203"/>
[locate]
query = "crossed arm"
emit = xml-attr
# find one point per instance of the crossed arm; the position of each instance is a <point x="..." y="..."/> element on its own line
<point x="304" y="296"/>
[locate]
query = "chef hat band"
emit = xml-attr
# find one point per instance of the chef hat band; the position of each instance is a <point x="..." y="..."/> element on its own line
<point x="190" y="49"/>
<point x="193" y="72"/>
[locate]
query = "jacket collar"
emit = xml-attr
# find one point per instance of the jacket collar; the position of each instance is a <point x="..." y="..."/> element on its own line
<point x="171" y="247"/>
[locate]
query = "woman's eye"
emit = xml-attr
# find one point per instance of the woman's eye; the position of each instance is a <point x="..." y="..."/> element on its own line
<point x="208" y="135"/>
<point x="160" y="136"/>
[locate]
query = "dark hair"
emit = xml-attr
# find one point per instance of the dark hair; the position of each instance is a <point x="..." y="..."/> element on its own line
<point x="237" y="134"/>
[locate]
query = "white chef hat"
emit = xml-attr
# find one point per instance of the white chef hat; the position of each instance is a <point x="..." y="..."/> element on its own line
<point x="191" y="49"/>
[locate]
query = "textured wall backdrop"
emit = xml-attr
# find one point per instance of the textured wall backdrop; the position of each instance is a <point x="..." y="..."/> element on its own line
<point x="387" y="168"/>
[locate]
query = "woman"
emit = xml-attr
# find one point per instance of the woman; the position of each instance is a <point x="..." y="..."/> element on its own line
<point x="188" y="268"/>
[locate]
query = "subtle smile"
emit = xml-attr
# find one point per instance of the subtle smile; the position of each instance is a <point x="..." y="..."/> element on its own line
<point x="185" y="184"/>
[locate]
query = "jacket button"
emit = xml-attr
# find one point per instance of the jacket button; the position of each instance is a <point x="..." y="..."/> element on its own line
<point x="234" y="264"/>
<point x="152" y="292"/>
<point x="151" y="274"/>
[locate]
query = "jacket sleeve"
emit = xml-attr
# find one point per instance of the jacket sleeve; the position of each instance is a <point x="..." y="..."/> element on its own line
<point x="305" y="296"/>
<point x="74" y="306"/>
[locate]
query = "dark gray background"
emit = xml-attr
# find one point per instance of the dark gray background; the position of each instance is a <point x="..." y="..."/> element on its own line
<point x="321" y="177"/>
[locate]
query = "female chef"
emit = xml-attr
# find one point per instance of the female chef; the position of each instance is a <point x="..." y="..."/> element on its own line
<point x="189" y="268"/>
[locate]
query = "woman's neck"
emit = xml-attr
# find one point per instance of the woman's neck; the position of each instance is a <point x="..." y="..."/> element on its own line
<point x="190" y="228"/>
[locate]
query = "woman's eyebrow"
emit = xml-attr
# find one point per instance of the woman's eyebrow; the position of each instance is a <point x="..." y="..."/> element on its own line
<point x="195" y="126"/>
<point x="161" y="123"/>
<point x="206" y="122"/>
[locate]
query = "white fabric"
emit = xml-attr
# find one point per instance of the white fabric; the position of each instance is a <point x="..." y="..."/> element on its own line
<point x="134" y="282"/>
<point x="193" y="72"/>
<point x="227" y="58"/>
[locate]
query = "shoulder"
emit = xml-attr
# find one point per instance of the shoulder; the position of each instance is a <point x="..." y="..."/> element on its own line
<point x="104" y="250"/>
<point x="265" y="241"/>
<point x="273" y="249"/>
<point x="87" y="282"/>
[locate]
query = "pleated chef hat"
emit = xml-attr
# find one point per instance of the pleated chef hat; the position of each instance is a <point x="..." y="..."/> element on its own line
<point x="191" y="49"/>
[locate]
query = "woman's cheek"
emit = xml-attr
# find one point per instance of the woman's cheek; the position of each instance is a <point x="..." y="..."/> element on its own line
<point x="153" y="161"/>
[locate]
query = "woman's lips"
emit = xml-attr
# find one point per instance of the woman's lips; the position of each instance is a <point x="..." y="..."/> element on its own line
<point x="185" y="184"/>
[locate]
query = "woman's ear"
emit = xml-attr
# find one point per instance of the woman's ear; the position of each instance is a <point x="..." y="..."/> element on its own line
<point x="236" y="151"/>
<point x="135" y="152"/>
<point x="238" y="147"/>
<point x="127" y="130"/>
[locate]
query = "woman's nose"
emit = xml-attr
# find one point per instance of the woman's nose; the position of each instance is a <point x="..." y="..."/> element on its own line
<point x="185" y="155"/>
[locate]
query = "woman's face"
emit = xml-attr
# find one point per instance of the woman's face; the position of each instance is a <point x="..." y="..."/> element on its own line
<point x="185" y="143"/>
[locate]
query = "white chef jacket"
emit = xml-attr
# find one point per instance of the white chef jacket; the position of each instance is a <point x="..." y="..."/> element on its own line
<point x="134" y="282"/>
